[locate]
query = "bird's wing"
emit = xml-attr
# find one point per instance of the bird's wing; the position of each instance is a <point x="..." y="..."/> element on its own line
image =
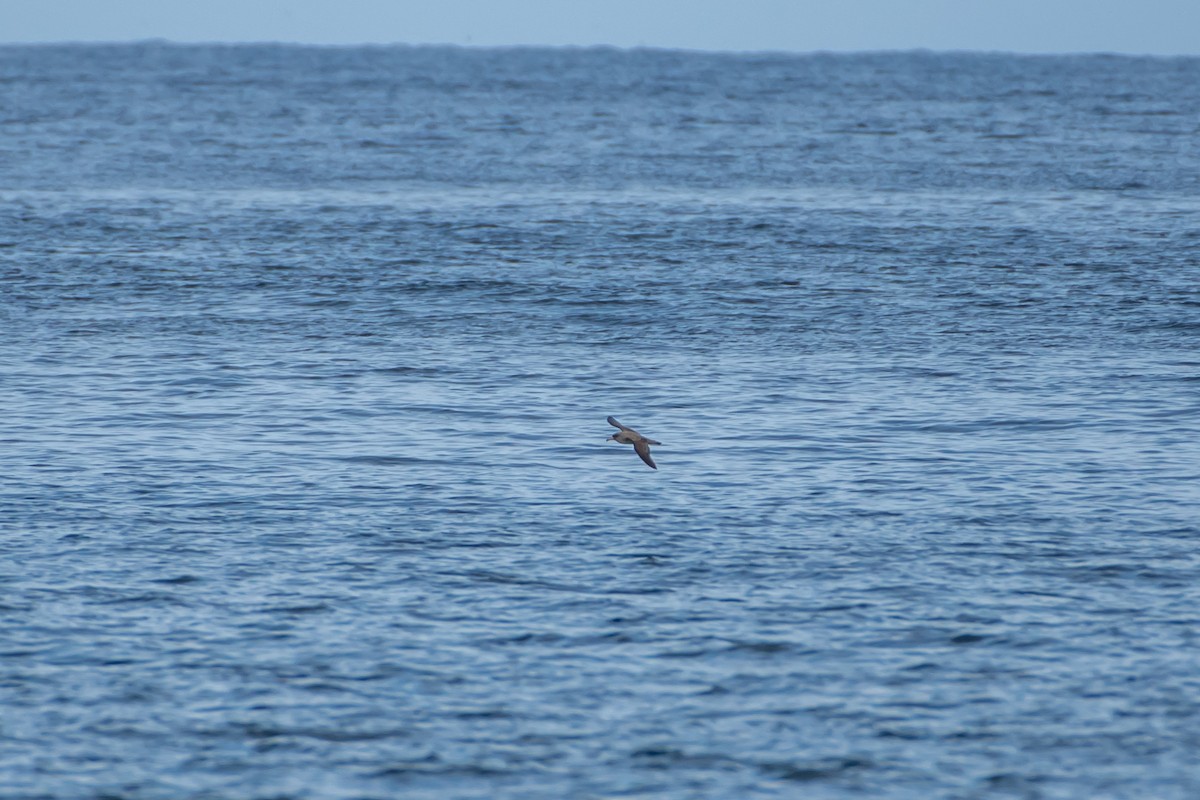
<point x="612" y="421"/>
<point x="643" y="450"/>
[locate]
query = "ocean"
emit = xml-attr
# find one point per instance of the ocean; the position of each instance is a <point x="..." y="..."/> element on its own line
<point x="305" y="491"/>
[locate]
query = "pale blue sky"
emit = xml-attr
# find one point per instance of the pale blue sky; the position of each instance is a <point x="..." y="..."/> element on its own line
<point x="1047" y="26"/>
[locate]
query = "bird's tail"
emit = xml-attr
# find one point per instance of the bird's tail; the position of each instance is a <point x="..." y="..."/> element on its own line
<point x="651" y="441"/>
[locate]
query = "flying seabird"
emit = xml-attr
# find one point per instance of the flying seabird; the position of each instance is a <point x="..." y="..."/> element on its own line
<point x="641" y="445"/>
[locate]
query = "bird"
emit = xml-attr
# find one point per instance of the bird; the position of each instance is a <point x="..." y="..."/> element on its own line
<point x="641" y="445"/>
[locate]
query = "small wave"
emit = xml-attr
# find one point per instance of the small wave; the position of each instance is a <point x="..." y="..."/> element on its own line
<point x="383" y="461"/>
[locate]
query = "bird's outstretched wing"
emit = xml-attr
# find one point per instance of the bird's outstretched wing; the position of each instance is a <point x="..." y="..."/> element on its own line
<point x="612" y="421"/>
<point x="643" y="450"/>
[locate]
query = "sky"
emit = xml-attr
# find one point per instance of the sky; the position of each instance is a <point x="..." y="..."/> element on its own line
<point x="1160" y="27"/>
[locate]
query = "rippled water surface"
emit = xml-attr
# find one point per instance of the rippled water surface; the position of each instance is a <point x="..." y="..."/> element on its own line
<point x="307" y="359"/>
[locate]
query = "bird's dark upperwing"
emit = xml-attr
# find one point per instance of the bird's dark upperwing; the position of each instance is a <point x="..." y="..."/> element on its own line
<point x="643" y="450"/>
<point x="612" y="421"/>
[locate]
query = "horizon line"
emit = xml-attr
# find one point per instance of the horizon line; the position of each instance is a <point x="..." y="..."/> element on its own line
<point x="156" y="40"/>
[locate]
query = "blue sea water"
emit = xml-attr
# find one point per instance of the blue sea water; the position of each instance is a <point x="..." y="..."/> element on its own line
<point x="307" y="354"/>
